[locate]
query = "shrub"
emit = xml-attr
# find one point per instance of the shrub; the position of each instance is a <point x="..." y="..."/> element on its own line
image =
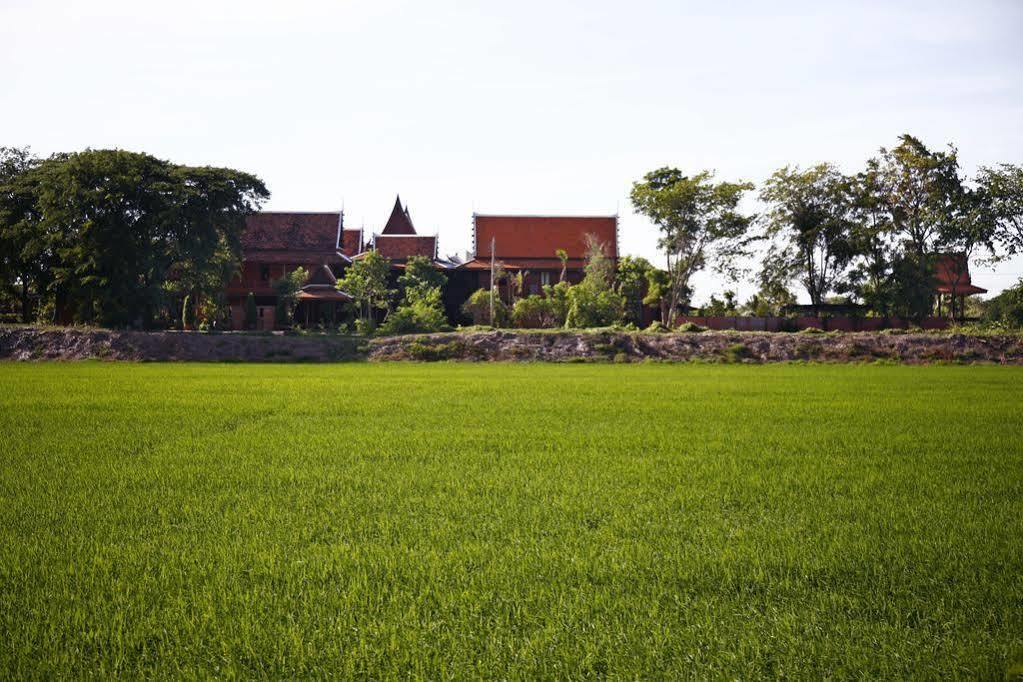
<point x="656" y="328"/>
<point x="591" y="308"/>
<point x="421" y="313"/>
<point x="691" y="328"/>
<point x="363" y="326"/>
<point x="416" y="318"/>
<point x="812" y="330"/>
<point x="534" y="312"/>
<point x="478" y="308"/>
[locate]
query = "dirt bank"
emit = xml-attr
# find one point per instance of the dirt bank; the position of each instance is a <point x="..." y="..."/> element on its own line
<point x="20" y="343"/>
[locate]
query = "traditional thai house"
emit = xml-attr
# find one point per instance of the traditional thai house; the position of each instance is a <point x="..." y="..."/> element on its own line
<point x="275" y="244"/>
<point x="953" y="284"/>
<point x="398" y="240"/>
<point x="530" y="244"/>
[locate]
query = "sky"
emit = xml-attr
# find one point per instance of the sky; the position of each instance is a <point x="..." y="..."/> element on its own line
<point x="512" y="107"/>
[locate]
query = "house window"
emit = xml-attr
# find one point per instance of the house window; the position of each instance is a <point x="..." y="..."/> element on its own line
<point x="264" y="273"/>
<point x="545" y="278"/>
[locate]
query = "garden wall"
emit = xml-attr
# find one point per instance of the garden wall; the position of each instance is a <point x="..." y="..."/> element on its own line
<point x="793" y="324"/>
<point x="549" y="346"/>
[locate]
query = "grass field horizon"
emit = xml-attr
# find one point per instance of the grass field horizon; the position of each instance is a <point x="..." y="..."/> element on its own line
<point x="511" y="520"/>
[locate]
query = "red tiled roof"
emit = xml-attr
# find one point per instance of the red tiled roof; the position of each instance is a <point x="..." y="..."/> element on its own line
<point x="525" y="264"/>
<point x="528" y="237"/>
<point x="400" y="247"/>
<point x="323" y="294"/>
<point x="290" y="257"/>
<point x="351" y="242"/>
<point x="292" y="231"/>
<point x="400" y="221"/>
<point x="952" y="274"/>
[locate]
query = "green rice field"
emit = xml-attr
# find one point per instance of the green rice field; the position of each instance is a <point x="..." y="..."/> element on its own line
<point x="519" y="521"/>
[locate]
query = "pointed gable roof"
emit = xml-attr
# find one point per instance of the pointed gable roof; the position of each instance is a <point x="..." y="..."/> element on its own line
<point x="400" y="222"/>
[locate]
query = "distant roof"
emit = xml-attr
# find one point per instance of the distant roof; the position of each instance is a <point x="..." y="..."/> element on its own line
<point x="530" y="237"/>
<point x="400" y="221"/>
<point x="271" y="231"/>
<point x="320" y="277"/>
<point x="523" y="264"/>
<point x="351" y="242"/>
<point x="952" y="273"/>
<point x="402" y="246"/>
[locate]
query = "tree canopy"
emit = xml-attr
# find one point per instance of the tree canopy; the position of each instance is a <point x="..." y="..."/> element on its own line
<point x="102" y="236"/>
<point x="700" y="225"/>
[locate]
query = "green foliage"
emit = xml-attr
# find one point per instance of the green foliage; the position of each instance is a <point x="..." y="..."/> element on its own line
<point x="631" y="282"/>
<point x="229" y="522"/>
<point x="700" y="225"/>
<point x="1003" y="188"/>
<point x="589" y="307"/>
<point x="478" y="308"/>
<point x="188" y="313"/>
<point x="534" y="312"/>
<point x="251" y="313"/>
<point x="726" y="307"/>
<point x="422" y="312"/>
<point x="1006" y="308"/>
<point x="99" y="233"/>
<point x="365" y="281"/>
<point x="811" y="226"/>
<point x="691" y="328"/>
<point x="287" y="289"/>
<point x="419" y="279"/>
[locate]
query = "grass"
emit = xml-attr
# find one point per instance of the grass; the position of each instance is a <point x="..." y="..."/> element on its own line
<point x="511" y="521"/>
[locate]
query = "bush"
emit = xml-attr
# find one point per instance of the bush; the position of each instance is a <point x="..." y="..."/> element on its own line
<point x="812" y="330"/>
<point x="535" y="312"/>
<point x="591" y="308"/>
<point x="478" y="308"/>
<point x="363" y="326"/>
<point x="656" y="328"/>
<point x="691" y="328"/>
<point x="420" y="317"/>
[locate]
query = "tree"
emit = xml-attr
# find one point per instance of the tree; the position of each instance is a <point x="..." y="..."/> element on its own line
<point x="105" y="235"/>
<point x="594" y="302"/>
<point x="479" y="305"/>
<point x="287" y="289"/>
<point x="1003" y="187"/>
<point x="24" y="267"/>
<point x="365" y="281"/>
<point x="1007" y="307"/>
<point x="419" y="277"/>
<point x="188" y="313"/>
<point x="658" y="291"/>
<point x="699" y="222"/>
<point x="631" y="284"/>
<point x="563" y="257"/>
<point x="810" y="223"/>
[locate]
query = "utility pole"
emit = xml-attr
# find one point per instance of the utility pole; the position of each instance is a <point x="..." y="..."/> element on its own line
<point x="493" y="243"/>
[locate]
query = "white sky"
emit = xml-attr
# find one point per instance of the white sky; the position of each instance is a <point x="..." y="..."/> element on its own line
<point x="526" y="106"/>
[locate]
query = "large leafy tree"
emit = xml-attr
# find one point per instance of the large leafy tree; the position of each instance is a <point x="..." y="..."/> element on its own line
<point x="810" y="224"/>
<point x="108" y="232"/>
<point x="1003" y="188"/>
<point x="700" y="226"/>
<point x="23" y="267"/>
